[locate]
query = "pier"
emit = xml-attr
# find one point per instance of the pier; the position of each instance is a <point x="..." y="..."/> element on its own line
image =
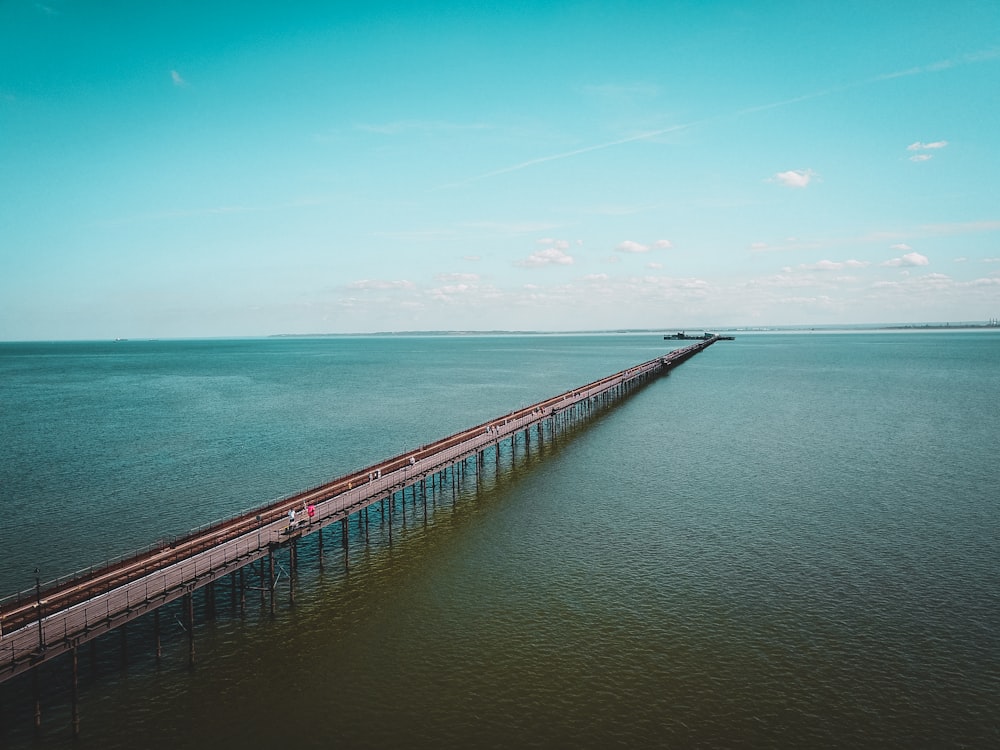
<point x="52" y="620"/>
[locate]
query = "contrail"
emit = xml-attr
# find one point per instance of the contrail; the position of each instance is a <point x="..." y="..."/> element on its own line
<point x="967" y="59"/>
<point x="577" y="152"/>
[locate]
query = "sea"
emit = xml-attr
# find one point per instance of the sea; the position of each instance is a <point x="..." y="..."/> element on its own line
<point x="791" y="540"/>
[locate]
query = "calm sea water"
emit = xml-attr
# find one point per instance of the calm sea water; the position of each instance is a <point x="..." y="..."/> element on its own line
<point x="793" y="540"/>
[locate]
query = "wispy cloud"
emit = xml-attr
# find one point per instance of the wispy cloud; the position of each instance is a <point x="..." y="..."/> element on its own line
<point x="961" y="227"/>
<point x="832" y="265"/>
<point x="883" y="236"/>
<point x="211" y="211"/>
<point x="920" y="146"/>
<point x="177" y="79"/>
<point x="381" y="284"/>
<point x="576" y="152"/>
<point x="421" y="126"/>
<point x="967" y="59"/>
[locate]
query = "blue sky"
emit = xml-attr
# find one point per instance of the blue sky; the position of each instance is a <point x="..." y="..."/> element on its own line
<point x="238" y="169"/>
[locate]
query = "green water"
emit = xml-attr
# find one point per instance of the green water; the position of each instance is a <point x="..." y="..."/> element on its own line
<point x="790" y="541"/>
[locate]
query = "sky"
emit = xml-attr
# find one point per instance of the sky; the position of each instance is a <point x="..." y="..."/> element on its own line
<point x="189" y="169"/>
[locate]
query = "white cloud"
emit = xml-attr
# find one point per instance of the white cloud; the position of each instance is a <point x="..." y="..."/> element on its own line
<point x="546" y="257"/>
<point x="596" y="277"/>
<point x="758" y="246"/>
<point x="654" y="266"/>
<point x="921" y="157"/>
<point x="910" y="259"/>
<point x="663" y="245"/>
<point x="902" y="246"/>
<point x="177" y="78"/>
<point x="796" y="178"/>
<point x="628" y="246"/>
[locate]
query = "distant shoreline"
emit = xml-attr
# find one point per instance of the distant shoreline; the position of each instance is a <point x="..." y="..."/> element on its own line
<point x="727" y="329"/>
<point x="693" y="331"/>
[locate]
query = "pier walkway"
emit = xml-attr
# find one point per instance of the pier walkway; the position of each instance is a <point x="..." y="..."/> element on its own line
<point x="46" y="621"/>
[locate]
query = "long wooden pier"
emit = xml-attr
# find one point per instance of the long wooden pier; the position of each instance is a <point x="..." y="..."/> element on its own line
<point x="42" y="623"/>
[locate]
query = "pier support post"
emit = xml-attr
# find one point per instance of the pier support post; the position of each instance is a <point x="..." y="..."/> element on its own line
<point x="210" y="601"/>
<point x="343" y="541"/>
<point x="270" y="579"/>
<point x="261" y="576"/>
<point x="75" y="694"/>
<point x="124" y="633"/>
<point x="293" y="567"/>
<point x="156" y="635"/>
<point x="189" y="616"/>
<point x="320" y="549"/>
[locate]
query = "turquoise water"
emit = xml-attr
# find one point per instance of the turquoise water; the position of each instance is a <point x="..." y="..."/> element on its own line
<point x="790" y="541"/>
